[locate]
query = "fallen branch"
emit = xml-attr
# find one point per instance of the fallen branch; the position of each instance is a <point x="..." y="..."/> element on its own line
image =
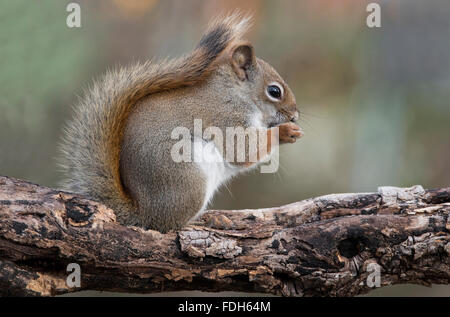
<point x="316" y="247"/>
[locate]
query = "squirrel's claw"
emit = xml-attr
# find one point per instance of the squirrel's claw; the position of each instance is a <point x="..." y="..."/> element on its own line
<point x="289" y="132"/>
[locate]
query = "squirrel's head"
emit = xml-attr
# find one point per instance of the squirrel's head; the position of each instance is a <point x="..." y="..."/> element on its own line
<point x="244" y="78"/>
<point x="261" y="83"/>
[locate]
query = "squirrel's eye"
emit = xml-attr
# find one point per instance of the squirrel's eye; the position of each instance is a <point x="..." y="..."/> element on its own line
<point x="274" y="92"/>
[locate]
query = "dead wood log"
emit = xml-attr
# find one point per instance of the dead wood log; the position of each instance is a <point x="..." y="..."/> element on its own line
<point x="317" y="247"/>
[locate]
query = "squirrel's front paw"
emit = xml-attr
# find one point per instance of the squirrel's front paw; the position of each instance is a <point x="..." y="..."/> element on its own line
<point x="289" y="132"/>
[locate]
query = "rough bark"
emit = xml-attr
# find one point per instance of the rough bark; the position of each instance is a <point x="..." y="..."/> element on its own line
<point x="317" y="247"/>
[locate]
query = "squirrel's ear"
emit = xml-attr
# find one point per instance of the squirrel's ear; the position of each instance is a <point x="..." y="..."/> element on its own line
<point x="242" y="59"/>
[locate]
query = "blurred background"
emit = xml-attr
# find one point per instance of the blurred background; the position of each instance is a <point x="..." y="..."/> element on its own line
<point x="374" y="102"/>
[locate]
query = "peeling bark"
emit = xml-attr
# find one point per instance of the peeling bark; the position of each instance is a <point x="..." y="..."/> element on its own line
<point x="325" y="246"/>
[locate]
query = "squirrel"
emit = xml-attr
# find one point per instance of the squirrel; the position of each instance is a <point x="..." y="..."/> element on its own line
<point x="116" y="149"/>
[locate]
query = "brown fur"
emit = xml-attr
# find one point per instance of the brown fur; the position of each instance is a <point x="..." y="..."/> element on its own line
<point x="115" y="148"/>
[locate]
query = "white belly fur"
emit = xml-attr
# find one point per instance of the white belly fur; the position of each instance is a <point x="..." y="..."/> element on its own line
<point x="215" y="169"/>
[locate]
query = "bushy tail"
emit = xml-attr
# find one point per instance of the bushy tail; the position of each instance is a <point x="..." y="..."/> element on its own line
<point x="92" y="139"/>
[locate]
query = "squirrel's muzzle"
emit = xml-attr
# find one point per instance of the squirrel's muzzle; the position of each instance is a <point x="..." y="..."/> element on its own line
<point x="294" y="116"/>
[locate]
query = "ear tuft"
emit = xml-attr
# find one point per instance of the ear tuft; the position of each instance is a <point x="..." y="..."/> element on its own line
<point x="242" y="59"/>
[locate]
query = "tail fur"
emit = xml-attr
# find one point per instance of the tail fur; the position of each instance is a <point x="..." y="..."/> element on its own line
<point x="91" y="143"/>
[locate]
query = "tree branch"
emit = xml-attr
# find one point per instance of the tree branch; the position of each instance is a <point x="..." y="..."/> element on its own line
<point x="316" y="247"/>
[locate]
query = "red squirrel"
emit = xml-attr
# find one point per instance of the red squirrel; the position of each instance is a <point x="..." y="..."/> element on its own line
<point x="117" y="148"/>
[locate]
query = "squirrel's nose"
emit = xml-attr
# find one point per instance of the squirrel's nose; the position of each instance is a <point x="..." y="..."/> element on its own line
<point x="294" y="116"/>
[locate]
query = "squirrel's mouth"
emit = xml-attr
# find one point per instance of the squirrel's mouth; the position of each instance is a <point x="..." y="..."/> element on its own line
<point x="280" y="118"/>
